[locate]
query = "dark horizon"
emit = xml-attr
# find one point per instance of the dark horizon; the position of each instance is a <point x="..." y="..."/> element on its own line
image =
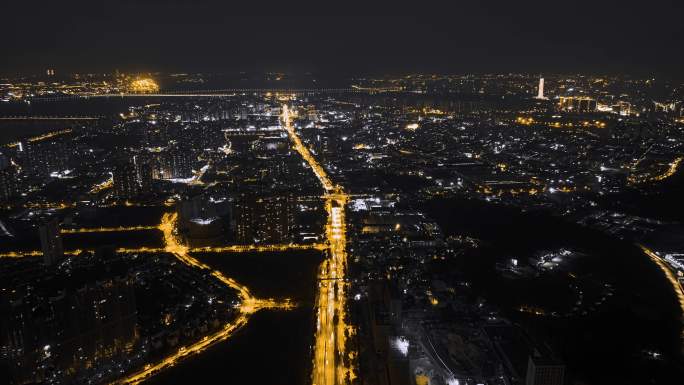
<point x="496" y="37"/>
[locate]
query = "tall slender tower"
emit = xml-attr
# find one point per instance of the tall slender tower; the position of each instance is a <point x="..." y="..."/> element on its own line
<point x="540" y="95"/>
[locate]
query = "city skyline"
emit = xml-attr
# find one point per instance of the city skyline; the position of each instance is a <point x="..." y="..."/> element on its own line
<point x="485" y="193"/>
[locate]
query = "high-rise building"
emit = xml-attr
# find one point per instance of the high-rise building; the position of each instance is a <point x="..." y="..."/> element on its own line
<point x="278" y="219"/>
<point x="50" y="241"/>
<point x="311" y="113"/>
<point x="133" y="177"/>
<point x="47" y="157"/>
<point x="246" y="216"/>
<point x="622" y="108"/>
<point x="126" y="180"/>
<point x="264" y="219"/>
<point x="177" y="163"/>
<point x="544" y="371"/>
<point x="8" y="181"/>
<point x="203" y="221"/>
<point x="577" y="104"/>
<point x="540" y="89"/>
<point x="72" y="331"/>
<point x="143" y="172"/>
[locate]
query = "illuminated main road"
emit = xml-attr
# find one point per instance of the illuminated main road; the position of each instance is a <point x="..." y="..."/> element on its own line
<point x="670" y="171"/>
<point x="669" y="275"/>
<point x="331" y="361"/>
<point x="671" y="278"/>
<point x="248" y="306"/>
<point x="142" y="250"/>
<point x="259" y="248"/>
<point x="107" y="229"/>
<point x="248" y="303"/>
<point x="42" y="137"/>
<point x="220" y="93"/>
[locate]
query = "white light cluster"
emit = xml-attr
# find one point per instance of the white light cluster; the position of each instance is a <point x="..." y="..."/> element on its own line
<point x="401" y="344"/>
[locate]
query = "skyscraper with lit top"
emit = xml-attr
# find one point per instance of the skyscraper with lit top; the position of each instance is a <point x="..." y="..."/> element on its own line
<point x="540" y="89"/>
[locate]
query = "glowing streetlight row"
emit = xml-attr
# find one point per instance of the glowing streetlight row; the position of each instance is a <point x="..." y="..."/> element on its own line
<point x="676" y="286"/>
<point x="109" y="183"/>
<point x="248" y="306"/>
<point x="248" y="303"/>
<point x="331" y="329"/>
<point x="107" y="229"/>
<point x="670" y="171"/>
<point x="143" y="250"/>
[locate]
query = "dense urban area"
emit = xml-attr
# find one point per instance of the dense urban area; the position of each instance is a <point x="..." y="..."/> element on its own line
<point x="418" y="229"/>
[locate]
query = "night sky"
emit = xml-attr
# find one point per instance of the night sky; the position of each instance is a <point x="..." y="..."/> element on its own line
<point x="351" y="37"/>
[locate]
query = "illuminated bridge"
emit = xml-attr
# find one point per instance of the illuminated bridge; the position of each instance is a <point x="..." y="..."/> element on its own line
<point x="29" y="118"/>
<point x="225" y="93"/>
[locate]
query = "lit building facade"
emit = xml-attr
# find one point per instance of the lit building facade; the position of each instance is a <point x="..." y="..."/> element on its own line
<point x="264" y="219"/>
<point x="72" y="330"/>
<point x="577" y="104"/>
<point x="8" y="181"/>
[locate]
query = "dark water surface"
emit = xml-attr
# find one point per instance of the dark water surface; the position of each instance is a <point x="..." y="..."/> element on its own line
<point x="11" y="130"/>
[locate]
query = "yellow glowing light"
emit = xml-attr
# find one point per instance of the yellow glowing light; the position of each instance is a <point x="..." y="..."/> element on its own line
<point x="49" y="135"/>
<point x="331" y="328"/>
<point x="248" y="304"/>
<point x="102" y="186"/>
<point x="422" y="379"/>
<point x="670" y="171"/>
<point x="142" y="250"/>
<point x="676" y="286"/>
<point x="107" y="229"/>
<point x="259" y="248"/>
<point x="144" y="85"/>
